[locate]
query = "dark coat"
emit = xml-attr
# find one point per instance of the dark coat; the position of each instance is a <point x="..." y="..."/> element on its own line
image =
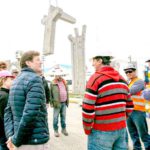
<point x="3" y="102"/>
<point x="47" y="90"/>
<point x="56" y="94"/>
<point x="26" y="114"/>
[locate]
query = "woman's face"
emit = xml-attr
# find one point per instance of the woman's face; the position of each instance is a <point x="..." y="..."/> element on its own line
<point x="7" y="82"/>
<point x="57" y="77"/>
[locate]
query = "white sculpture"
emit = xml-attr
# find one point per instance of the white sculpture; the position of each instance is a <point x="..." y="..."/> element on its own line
<point x="78" y="61"/>
<point x="49" y="21"/>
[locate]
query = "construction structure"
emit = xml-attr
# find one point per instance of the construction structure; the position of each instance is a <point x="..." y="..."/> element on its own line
<point x="78" y="61"/>
<point x="54" y="14"/>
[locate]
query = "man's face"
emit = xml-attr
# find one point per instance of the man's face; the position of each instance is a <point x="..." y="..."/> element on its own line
<point x="15" y="74"/>
<point x="130" y="73"/>
<point x="35" y="64"/>
<point x="57" y="77"/>
<point x="96" y="64"/>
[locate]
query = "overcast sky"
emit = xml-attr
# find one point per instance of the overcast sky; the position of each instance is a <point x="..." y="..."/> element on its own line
<point x="119" y="26"/>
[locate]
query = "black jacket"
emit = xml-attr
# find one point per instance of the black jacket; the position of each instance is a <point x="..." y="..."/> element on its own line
<point x="3" y="102"/>
<point x="47" y="90"/>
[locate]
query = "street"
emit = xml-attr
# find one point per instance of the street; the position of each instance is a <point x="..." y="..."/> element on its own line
<point x="76" y="140"/>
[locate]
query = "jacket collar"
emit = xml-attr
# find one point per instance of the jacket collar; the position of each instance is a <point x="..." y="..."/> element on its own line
<point x="4" y="89"/>
<point x="28" y="69"/>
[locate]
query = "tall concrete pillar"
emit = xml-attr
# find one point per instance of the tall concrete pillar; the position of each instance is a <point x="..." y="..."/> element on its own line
<point x="78" y="61"/>
<point x="49" y="21"/>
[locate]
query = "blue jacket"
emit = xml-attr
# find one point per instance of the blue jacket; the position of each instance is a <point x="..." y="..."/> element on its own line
<point x="26" y="115"/>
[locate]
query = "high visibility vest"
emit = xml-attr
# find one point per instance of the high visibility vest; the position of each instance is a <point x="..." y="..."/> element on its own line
<point x="138" y="100"/>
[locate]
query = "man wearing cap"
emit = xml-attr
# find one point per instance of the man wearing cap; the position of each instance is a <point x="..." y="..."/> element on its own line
<point x="15" y="72"/>
<point x="106" y="106"/>
<point x="60" y="101"/>
<point x="147" y="73"/>
<point x="25" y="117"/>
<point x="137" y="124"/>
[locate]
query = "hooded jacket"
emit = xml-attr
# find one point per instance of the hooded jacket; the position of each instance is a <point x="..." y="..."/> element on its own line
<point x="107" y="102"/>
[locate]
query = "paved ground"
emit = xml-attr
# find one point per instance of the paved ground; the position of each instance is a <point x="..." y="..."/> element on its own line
<point x="76" y="140"/>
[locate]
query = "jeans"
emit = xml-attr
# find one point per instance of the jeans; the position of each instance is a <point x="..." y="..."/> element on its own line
<point x="138" y="128"/>
<point x="62" y="112"/>
<point x="112" y="140"/>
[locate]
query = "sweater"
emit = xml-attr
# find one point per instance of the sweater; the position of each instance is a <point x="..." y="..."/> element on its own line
<point x="107" y="102"/>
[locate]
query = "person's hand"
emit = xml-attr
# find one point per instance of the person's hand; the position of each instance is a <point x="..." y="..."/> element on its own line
<point x="51" y="104"/>
<point x="10" y="145"/>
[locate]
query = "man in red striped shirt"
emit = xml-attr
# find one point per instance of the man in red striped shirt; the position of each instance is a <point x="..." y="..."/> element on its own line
<point x="106" y="106"/>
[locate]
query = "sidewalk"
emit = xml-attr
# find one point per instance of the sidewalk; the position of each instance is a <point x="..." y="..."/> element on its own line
<point x="76" y="140"/>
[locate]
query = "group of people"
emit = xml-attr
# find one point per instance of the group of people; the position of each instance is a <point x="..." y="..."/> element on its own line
<point x="23" y="105"/>
<point x="113" y="107"/>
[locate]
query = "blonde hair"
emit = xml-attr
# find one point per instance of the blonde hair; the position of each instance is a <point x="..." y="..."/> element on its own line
<point x="3" y="65"/>
<point x="2" y="81"/>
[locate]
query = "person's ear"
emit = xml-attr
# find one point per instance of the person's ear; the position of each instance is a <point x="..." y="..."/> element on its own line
<point x="28" y="63"/>
<point x="100" y="61"/>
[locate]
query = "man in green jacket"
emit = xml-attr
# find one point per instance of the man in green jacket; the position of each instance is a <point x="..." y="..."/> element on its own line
<point x="60" y="101"/>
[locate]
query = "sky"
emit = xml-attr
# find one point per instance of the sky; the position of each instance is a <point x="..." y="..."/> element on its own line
<point x="121" y="27"/>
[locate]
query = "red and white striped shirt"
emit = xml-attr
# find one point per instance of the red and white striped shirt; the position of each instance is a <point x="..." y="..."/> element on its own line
<point x="107" y="102"/>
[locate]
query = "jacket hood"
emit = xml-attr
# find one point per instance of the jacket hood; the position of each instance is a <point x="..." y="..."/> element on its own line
<point x="110" y="72"/>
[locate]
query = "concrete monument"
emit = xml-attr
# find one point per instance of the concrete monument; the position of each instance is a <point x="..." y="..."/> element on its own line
<point x="78" y="61"/>
<point x="49" y="21"/>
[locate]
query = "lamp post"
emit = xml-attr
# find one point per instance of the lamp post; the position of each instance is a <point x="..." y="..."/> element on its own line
<point x="43" y="59"/>
<point x="130" y="59"/>
<point x="18" y="57"/>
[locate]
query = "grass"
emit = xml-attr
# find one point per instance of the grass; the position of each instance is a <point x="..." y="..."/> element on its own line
<point x="71" y="95"/>
<point x="73" y="98"/>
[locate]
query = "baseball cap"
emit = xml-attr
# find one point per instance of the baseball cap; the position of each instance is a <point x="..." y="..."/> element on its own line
<point x="5" y="73"/>
<point x="130" y="67"/>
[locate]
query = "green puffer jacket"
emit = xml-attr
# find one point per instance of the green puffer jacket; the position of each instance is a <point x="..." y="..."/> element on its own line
<point x="55" y="100"/>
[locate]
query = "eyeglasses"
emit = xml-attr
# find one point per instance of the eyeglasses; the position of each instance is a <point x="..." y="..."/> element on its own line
<point x="128" y="72"/>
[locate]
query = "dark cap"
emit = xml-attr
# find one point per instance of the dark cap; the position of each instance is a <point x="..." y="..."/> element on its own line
<point x="106" y="60"/>
<point x="148" y="60"/>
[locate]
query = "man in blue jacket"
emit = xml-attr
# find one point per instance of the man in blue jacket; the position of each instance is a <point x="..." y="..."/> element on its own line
<point x="25" y="118"/>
